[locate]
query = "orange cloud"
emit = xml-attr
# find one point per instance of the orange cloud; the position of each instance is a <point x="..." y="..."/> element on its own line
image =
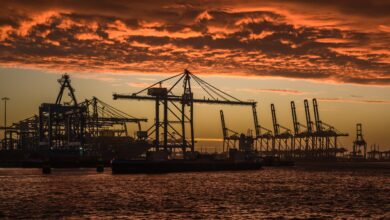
<point x="138" y="84"/>
<point x="363" y="101"/>
<point x="242" y="38"/>
<point x="279" y="91"/>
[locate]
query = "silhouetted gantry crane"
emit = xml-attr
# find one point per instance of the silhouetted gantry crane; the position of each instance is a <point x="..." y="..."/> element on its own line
<point x="263" y="135"/>
<point x="300" y="143"/>
<point x="228" y="140"/>
<point x="359" y="143"/>
<point x="62" y="125"/>
<point x="92" y="125"/>
<point x="70" y="125"/>
<point x="178" y="108"/>
<point x="313" y="140"/>
<point x="282" y="141"/>
<point x="97" y="128"/>
<point x="326" y="136"/>
<point x="23" y="135"/>
<point x="245" y="141"/>
<point x="102" y="117"/>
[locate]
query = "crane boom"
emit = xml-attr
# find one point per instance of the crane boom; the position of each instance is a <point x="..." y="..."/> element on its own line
<point x="295" y="119"/>
<point x="224" y="130"/>
<point x="317" y="116"/>
<point x="256" y="121"/>
<point x="308" y="118"/>
<point x="180" y="99"/>
<point x="274" y="120"/>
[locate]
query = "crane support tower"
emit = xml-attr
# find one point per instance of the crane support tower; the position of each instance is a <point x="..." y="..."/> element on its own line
<point x="359" y="143"/>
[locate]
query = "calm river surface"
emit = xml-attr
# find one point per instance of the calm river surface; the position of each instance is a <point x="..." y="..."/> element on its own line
<point x="267" y="193"/>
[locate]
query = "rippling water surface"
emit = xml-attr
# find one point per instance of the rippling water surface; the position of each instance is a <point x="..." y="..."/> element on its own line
<point x="267" y="193"/>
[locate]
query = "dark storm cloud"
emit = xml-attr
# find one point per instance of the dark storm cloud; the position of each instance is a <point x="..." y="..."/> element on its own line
<point x="369" y="8"/>
<point x="212" y="37"/>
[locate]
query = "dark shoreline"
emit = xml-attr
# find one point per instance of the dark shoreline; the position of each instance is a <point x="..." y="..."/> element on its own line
<point x="54" y="164"/>
<point x="336" y="165"/>
<point x="340" y="165"/>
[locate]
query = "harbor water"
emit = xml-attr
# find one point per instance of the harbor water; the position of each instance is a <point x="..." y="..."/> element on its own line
<point x="291" y="192"/>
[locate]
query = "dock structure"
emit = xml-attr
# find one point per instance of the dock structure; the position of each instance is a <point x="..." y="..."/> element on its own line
<point x="376" y="155"/>
<point x="94" y="128"/>
<point x="235" y="140"/>
<point x="315" y="140"/>
<point x="360" y="151"/>
<point x="90" y="128"/>
<point x="311" y="141"/>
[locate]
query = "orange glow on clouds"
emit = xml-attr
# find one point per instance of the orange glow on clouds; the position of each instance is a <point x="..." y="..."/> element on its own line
<point x="279" y="91"/>
<point x="361" y="101"/>
<point x="311" y="40"/>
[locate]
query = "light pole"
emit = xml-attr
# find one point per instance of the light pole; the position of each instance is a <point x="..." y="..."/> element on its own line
<point x="5" y="99"/>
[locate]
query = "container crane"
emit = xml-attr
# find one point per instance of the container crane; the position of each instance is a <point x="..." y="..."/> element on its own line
<point x="299" y="135"/>
<point x="228" y="140"/>
<point x="170" y="102"/>
<point x="325" y="136"/>
<point x="359" y="143"/>
<point x="280" y="138"/>
<point x="262" y="138"/>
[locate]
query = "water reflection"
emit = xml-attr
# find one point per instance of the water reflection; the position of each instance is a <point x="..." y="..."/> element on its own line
<point x="269" y="193"/>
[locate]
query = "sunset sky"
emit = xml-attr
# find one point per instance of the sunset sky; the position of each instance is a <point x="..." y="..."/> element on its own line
<point x="267" y="51"/>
